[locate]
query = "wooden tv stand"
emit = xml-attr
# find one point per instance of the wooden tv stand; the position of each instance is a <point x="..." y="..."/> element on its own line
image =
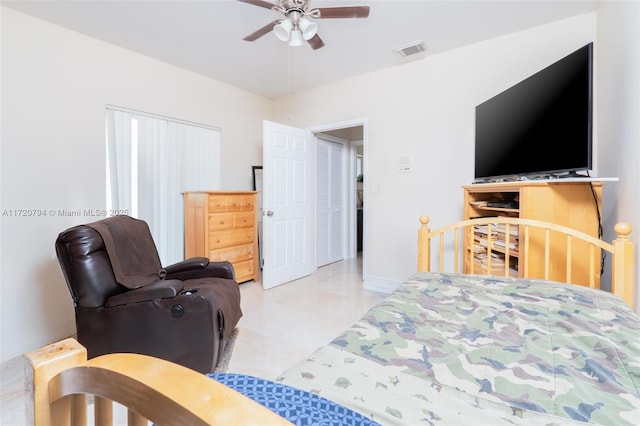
<point x="576" y="203"/>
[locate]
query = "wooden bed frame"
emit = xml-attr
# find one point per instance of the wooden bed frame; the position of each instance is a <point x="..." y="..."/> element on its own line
<point x="621" y="250"/>
<point x="59" y="377"/>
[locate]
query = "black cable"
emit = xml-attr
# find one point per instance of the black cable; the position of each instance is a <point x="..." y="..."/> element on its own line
<point x="603" y="253"/>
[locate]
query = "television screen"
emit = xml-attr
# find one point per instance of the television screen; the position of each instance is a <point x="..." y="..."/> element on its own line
<point x="541" y="126"/>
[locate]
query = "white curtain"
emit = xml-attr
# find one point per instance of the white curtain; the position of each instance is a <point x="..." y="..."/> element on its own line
<point x="151" y="162"/>
<point x="119" y="139"/>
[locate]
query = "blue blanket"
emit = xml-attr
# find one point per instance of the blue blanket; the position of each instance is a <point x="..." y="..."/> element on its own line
<point x="298" y="406"/>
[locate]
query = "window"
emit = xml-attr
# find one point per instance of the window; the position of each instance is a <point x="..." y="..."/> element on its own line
<point x="151" y="161"/>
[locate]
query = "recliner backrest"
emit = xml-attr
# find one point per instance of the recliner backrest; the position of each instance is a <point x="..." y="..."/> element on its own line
<point x="86" y="267"/>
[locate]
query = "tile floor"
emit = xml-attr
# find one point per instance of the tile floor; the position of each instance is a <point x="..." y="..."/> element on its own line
<point x="279" y="328"/>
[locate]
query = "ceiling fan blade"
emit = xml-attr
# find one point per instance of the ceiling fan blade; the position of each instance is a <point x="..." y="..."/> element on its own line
<point x="344" y="12"/>
<point x="262" y="31"/>
<point x="259" y="3"/>
<point x="315" y="42"/>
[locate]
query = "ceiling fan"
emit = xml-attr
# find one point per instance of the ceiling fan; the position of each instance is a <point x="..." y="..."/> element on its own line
<point x="297" y="25"/>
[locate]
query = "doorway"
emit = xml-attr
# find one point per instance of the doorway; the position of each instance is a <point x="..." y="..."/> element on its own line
<point x="289" y="221"/>
<point x="354" y="135"/>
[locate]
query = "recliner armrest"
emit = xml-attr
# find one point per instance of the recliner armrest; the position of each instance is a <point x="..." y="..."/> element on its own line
<point x="160" y="289"/>
<point x="187" y="265"/>
<point x="218" y="269"/>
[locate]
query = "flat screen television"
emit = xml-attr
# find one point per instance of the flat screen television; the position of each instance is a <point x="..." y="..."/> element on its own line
<point x="541" y="127"/>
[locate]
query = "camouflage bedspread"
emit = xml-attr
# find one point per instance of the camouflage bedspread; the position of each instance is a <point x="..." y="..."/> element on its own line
<point x="453" y="349"/>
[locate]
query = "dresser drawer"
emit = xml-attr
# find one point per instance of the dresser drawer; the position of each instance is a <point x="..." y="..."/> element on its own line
<point x="231" y="220"/>
<point x="244" y="270"/>
<point x="234" y="254"/>
<point x="218" y="203"/>
<point x="247" y="203"/>
<point x="221" y="221"/>
<point x="231" y="203"/>
<point x="244" y="219"/>
<point x="221" y="239"/>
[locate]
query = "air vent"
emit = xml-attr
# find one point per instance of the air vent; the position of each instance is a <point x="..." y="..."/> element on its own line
<point x="410" y="49"/>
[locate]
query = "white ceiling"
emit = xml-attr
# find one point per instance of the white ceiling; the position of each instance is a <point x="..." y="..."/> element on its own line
<point x="205" y="36"/>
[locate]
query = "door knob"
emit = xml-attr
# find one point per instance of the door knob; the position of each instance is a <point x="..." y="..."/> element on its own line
<point x="268" y="213"/>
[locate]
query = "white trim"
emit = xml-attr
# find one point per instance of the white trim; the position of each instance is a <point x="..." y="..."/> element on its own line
<point x="340" y="125"/>
<point x="162" y="117"/>
<point x="380" y="285"/>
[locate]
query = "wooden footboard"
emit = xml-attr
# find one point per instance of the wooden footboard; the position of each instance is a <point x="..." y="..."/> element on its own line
<point x="449" y="241"/>
<point x="59" y="378"/>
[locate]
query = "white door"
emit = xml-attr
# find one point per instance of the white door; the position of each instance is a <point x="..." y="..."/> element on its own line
<point x="288" y="205"/>
<point x="330" y="201"/>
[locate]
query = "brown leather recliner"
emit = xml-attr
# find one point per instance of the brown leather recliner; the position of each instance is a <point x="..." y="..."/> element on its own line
<point x="125" y="301"/>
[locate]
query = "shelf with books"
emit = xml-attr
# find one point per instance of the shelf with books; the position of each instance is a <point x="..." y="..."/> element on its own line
<point x="482" y="267"/>
<point x="492" y="204"/>
<point x="494" y="246"/>
<point x="575" y="204"/>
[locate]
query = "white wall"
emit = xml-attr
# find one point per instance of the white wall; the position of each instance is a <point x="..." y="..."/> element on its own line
<point x="424" y="110"/>
<point x="618" y="116"/>
<point x="55" y="85"/>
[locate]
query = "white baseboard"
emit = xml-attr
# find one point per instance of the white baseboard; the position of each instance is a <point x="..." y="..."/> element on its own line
<point x="23" y="346"/>
<point x="381" y="285"/>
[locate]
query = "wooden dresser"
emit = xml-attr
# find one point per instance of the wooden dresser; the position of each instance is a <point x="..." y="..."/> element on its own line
<point x="223" y="225"/>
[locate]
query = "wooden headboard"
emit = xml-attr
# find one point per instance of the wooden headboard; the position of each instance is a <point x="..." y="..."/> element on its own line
<point x="450" y="246"/>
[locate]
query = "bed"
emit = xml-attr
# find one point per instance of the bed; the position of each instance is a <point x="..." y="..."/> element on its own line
<point x="454" y="348"/>
<point x="446" y="347"/>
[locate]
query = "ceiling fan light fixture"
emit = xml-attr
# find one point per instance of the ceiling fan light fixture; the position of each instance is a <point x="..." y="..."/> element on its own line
<point x="297" y="24"/>
<point x="308" y="28"/>
<point x="282" y="30"/>
<point x="296" y="38"/>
